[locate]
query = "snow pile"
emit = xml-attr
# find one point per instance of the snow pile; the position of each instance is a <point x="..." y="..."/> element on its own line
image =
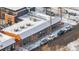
<point x="74" y="46"/>
<point x="71" y="22"/>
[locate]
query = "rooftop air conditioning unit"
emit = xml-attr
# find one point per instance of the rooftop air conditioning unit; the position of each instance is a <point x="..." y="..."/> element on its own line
<point x="28" y="24"/>
<point x="16" y="30"/>
<point x="22" y="27"/>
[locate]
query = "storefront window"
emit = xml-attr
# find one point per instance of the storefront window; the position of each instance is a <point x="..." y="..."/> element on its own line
<point x="12" y="47"/>
<point x="9" y="48"/>
<point x="42" y="33"/>
<point x="26" y="40"/>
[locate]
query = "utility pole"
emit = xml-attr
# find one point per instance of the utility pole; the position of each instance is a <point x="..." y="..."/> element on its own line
<point x="0" y="16"/>
<point x="50" y="20"/>
<point x="29" y="12"/>
<point x="49" y="42"/>
<point x="60" y="12"/>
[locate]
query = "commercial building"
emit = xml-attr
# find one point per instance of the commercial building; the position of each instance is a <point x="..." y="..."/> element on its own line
<point x="23" y="27"/>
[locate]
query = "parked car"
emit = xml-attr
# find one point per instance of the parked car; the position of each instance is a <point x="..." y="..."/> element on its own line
<point x="51" y="37"/>
<point x="50" y="13"/>
<point x="61" y="32"/>
<point x="76" y="20"/>
<point x="44" y="41"/>
<point x="73" y="14"/>
<point x="67" y="28"/>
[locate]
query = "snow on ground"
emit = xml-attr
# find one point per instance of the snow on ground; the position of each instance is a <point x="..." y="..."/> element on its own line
<point x="69" y="21"/>
<point x="74" y="46"/>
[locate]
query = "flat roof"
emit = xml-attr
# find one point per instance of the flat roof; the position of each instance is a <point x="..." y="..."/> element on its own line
<point x="4" y="37"/>
<point x="15" y="8"/>
<point x="5" y="41"/>
<point x="23" y="23"/>
<point x="35" y="27"/>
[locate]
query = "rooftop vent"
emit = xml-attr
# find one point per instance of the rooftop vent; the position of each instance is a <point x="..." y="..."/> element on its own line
<point x="22" y="27"/>
<point x="35" y="19"/>
<point x="16" y="30"/>
<point x="28" y="24"/>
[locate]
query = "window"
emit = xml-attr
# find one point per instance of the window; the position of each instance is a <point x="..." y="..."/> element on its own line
<point x="42" y="33"/>
<point x="12" y="47"/>
<point x="26" y="40"/>
<point x="9" y="48"/>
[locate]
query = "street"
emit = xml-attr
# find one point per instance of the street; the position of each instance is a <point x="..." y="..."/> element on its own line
<point x="61" y="40"/>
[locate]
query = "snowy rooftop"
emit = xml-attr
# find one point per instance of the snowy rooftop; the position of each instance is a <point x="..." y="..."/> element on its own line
<point x="5" y="41"/>
<point x="14" y="8"/>
<point x="72" y="10"/>
<point x="71" y="22"/>
<point x="3" y="37"/>
<point x="26" y="23"/>
<point x="42" y="16"/>
<point x="29" y="26"/>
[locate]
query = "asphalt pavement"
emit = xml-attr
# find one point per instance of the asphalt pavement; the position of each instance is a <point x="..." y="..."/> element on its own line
<point x="62" y="40"/>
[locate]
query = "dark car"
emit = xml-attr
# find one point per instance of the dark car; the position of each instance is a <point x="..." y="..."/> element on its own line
<point x="61" y="32"/>
<point x="50" y="13"/>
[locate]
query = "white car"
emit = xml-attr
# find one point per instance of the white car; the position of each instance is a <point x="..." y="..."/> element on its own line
<point x="67" y="28"/>
<point x="51" y="37"/>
